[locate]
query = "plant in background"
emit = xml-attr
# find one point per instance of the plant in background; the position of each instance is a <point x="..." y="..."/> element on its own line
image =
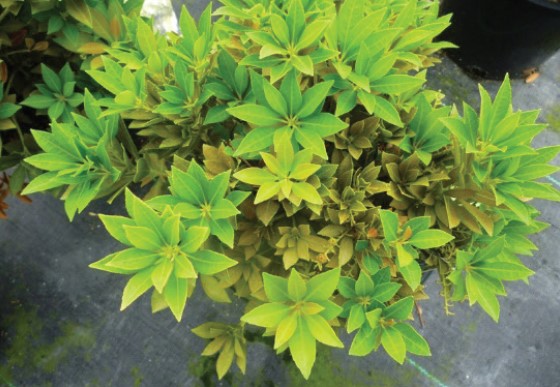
<point x="294" y="159"/>
<point x="45" y="46"/>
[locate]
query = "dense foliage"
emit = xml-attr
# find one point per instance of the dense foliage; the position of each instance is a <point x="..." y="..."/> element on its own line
<point x="294" y="158"/>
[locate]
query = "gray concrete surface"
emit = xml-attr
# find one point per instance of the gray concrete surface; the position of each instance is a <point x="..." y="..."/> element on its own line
<point x="60" y="324"/>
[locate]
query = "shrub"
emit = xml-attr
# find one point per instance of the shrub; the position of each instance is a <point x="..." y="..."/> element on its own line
<point x="295" y="160"/>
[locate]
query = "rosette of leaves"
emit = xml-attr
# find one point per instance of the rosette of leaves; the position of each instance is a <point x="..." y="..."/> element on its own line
<point x="202" y="201"/>
<point x="84" y="156"/>
<point x="56" y="95"/>
<point x="284" y="176"/>
<point x="299" y="242"/>
<point x="129" y="89"/>
<point x="502" y="162"/>
<point x="163" y="254"/>
<point x="228" y="342"/>
<point x="287" y="111"/>
<point x="290" y="42"/>
<point x="183" y="98"/>
<point x="403" y="243"/>
<point x="479" y="275"/>
<point x="298" y="315"/>
<point x="230" y="86"/>
<point x="379" y="323"/>
<point x="357" y="137"/>
<point x="426" y="133"/>
<point x="195" y="45"/>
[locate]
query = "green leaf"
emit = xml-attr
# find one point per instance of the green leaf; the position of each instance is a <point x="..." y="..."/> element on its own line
<point x="505" y="271"/>
<point x="223" y="229"/>
<point x="55" y="24"/>
<point x="275" y="100"/>
<point x="405" y="257"/>
<point x="356" y="318"/>
<point x="414" y="342"/>
<point x="295" y="20"/>
<point x="400" y="310"/>
<point x="322" y="331"/>
<point x="161" y="274"/>
<point x="364" y="285"/>
<point x="304" y="171"/>
<point x="390" y="223"/>
<point x="51" y="79"/>
<point x="322" y="286"/>
<point x="210" y="262"/>
<point x="268" y="315"/>
<point x="42" y="182"/>
<point x="51" y="162"/>
<point x="346" y="102"/>
<point x="307" y="192"/>
<point x="7" y="109"/>
<point x="193" y="238"/>
<point x="312" y="34"/>
<point x="291" y="90"/>
<point x="412" y="274"/>
<point x="267" y="191"/>
<point x="479" y="292"/>
<point x="223" y="209"/>
<point x="331" y="311"/>
<point x="502" y="102"/>
<point x="429" y="239"/>
<point x="373" y="317"/>
<point x="393" y="342"/>
<point x="364" y="342"/>
<point x="184" y="267"/>
<point x="346" y="286"/>
<point x="38" y="101"/>
<point x="255" y="114"/>
<point x="256" y="140"/>
<point x="185" y="186"/>
<point x="225" y="359"/>
<point x="385" y="292"/>
<point x="303" y="63"/>
<point x="143" y="238"/>
<point x="324" y="124"/>
<point x="102" y="264"/>
<point x="280" y="29"/>
<point x="133" y="259"/>
<point x="114" y="225"/>
<point x="285" y="330"/>
<point x="297" y="288"/>
<point x="276" y="288"/>
<point x="136" y="286"/>
<point x="255" y="176"/>
<point x="314" y="98"/>
<point x="56" y="110"/>
<point x="386" y="110"/>
<point x="175" y="294"/>
<point x="302" y="344"/>
<point x="396" y="84"/>
<point x="312" y="141"/>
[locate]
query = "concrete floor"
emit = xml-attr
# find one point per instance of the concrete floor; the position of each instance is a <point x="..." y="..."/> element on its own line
<point x="60" y="324"/>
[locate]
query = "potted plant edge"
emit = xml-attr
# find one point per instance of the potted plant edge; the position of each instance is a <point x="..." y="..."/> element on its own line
<point x="292" y="157"/>
<point x="490" y="44"/>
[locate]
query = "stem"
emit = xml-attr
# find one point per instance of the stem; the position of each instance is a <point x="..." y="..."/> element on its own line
<point x="21" y="138"/>
<point x="125" y="137"/>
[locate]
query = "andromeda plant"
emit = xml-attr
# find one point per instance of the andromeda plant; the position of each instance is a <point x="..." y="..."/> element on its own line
<point x="293" y="159"/>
